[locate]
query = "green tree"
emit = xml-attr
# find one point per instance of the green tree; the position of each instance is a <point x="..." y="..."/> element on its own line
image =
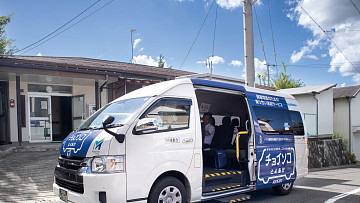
<point x="161" y="62"/>
<point x="284" y="81"/>
<point x="5" y="44"/>
<point x="262" y="78"/>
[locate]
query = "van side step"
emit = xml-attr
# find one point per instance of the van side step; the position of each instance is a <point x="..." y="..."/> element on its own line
<point x="234" y="198"/>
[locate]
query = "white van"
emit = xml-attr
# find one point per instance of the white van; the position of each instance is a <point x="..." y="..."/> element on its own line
<point x="147" y="146"/>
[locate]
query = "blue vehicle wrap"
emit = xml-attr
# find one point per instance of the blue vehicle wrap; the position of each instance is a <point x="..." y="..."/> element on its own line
<point x="78" y="143"/>
<point x="275" y="153"/>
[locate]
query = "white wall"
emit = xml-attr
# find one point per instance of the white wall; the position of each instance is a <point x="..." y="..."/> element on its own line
<point x="341" y="117"/>
<point x="307" y="104"/>
<point x="355" y="122"/>
<point x="326" y="112"/>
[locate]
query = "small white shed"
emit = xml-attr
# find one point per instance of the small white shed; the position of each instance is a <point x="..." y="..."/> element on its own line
<point x="316" y="103"/>
<point x="347" y="116"/>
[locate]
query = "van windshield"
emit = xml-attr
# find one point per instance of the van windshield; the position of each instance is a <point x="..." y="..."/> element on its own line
<point x="121" y="111"/>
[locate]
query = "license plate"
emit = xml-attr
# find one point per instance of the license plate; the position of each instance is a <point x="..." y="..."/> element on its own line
<point x="63" y="195"/>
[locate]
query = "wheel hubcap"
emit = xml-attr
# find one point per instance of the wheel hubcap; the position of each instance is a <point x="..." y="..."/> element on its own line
<point x="170" y="194"/>
<point x="286" y="186"/>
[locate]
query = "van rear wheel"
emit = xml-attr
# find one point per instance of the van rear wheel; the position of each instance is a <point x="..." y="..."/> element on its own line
<point x="283" y="189"/>
<point x="168" y="190"/>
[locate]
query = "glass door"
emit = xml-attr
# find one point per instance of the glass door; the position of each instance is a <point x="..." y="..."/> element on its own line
<point x="78" y="110"/>
<point x="40" y="118"/>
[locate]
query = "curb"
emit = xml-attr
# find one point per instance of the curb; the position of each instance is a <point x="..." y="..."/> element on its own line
<point x="22" y="149"/>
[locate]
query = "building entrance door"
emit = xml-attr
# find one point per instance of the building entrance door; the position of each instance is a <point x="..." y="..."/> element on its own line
<point x="40" y="118"/>
<point x="4" y="113"/>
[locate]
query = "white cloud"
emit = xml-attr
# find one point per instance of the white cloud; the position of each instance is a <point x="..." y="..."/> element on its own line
<point x="141" y="49"/>
<point x="215" y="60"/>
<point x="136" y="42"/>
<point x="305" y="50"/>
<point x="337" y="17"/>
<point x="39" y="54"/>
<point x="323" y="55"/>
<point x="236" y="63"/>
<point x="145" y="60"/>
<point x="343" y="84"/>
<point x="311" y="57"/>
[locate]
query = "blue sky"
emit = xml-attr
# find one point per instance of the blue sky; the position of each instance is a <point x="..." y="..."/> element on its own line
<point x="168" y="27"/>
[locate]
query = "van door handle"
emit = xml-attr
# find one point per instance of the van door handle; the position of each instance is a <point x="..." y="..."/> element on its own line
<point x="187" y="140"/>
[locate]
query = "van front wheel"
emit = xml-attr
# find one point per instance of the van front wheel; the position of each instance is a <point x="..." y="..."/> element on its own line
<point x="168" y="189"/>
<point x="283" y="189"/>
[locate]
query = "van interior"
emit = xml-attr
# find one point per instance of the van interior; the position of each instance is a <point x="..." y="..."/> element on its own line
<point x="224" y="170"/>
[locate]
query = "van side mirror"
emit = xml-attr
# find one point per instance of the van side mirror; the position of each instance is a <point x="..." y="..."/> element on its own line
<point x="108" y="120"/>
<point x="146" y="124"/>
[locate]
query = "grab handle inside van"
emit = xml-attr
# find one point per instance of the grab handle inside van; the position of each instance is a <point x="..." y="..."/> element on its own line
<point x="238" y="143"/>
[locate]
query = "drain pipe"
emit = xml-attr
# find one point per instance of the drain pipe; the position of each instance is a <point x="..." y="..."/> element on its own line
<point x="314" y="93"/>
<point x="102" y="86"/>
<point x="349" y="99"/>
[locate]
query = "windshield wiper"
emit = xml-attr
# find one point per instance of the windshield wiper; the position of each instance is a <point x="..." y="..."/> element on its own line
<point x="114" y="125"/>
<point x="89" y="128"/>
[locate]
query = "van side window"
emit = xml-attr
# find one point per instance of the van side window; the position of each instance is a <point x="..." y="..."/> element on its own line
<point x="297" y="123"/>
<point x="273" y="121"/>
<point x="171" y="114"/>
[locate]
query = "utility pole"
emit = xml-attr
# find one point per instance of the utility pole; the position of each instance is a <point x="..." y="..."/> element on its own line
<point x="268" y="73"/>
<point x="209" y="64"/>
<point x="132" y="46"/>
<point x="249" y="43"/>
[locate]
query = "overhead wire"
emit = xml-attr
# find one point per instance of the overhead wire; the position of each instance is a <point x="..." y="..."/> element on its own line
<point x="261" y="40"/>
<point x="59" y="27"/>
<point x="216" y="15"/>
<point x="197" y="35"/>
<point x="327" y="36"/>
<point x="272" y="35"/>
<point x="69" y="26"/>
<point x="355" y="6"/>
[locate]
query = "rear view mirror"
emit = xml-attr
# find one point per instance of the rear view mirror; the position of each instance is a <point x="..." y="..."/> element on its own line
<point x="146" y="124"/>
<point x="108" y="120"/>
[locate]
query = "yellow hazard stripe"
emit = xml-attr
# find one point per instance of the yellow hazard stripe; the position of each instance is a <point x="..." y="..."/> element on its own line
<point x="224" y="188"/>
<point x="240" y="199"/>
<point x="222" y="174"/>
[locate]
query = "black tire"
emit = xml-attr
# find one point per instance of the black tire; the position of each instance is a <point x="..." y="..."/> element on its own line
<point x="168" y="188"/>
<point x="283" y="189"/>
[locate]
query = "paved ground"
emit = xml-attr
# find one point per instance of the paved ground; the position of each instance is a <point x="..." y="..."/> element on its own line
<point x="28" y="177"/>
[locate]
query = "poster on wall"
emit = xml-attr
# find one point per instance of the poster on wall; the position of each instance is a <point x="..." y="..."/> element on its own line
<point x="92" y="109"/>
<point x="43" y="104"/>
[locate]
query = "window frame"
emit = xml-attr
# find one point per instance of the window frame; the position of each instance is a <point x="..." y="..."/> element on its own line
<point x="161" y="100"/>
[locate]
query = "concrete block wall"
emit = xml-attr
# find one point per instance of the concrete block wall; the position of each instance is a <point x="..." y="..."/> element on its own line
<point x="323" y="153"/>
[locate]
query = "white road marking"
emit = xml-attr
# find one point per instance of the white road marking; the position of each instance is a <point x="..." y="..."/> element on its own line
<point x="337" y="197"/>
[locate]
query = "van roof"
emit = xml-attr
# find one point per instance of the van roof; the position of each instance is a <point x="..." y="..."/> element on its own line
<point x="160" y="88"/>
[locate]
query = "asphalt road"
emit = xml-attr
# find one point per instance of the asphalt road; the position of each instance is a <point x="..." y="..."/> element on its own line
<point x="28" y="177"/>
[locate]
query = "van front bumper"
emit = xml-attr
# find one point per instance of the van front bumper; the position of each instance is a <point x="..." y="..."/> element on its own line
<point x="114" y="185"/>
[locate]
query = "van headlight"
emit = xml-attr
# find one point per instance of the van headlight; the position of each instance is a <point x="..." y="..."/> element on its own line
<point x="108" y="164"/>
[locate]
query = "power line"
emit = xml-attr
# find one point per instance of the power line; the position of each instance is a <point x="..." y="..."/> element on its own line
<point x="355" y="6"/>
<point x="272" y="34"/>
<point x="262" y="44"/>
<point x="68" y="27"/>
<point x="59" y="27"/>
<point x="327" y="36"/>
<point x="202" y="25"/>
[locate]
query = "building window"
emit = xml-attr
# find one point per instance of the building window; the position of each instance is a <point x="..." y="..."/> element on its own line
<point x="50" y="88"/>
